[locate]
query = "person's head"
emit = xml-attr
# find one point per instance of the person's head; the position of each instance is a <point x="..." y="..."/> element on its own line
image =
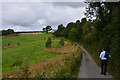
<point x="103" y="49"/>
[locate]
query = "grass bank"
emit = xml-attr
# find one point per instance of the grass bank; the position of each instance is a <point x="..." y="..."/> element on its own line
<point x="66" y="67"/>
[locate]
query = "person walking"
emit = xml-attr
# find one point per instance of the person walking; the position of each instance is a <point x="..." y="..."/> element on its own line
<point x="104" y="55"/>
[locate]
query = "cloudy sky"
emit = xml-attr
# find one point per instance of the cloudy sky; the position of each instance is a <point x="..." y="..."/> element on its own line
<point x="33" y="16"/>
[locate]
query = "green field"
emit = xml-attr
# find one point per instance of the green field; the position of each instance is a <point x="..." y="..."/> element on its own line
<point x="31" y="45"/>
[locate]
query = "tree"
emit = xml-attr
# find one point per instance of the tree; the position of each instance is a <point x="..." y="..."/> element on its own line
<point x="48" y="43"/>
<point x="7" y="32"/>
<point x="64" y="31"/>
<point x="83" y="20"/>
<point x="47" y="29"/>
<point x="68" y="28"/>
<point x="106" y="29"/>
<point x="4" y="32"/>
<point x="59" y="31"/>
<point x="61" y="42"/>
<point x="1" y="33"/>
<point x="73" y="34"/>
<point x="44" y="29"/>
<point x="10" y="31"/>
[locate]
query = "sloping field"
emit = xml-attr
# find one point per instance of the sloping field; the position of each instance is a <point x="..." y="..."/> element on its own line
<point x="64" y="66"/>
<point x="31" y="46"/>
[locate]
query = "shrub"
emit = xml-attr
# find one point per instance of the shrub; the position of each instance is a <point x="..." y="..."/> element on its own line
<point x="18" y="43"/>
<point x="8" y="44"/>
<point x="48" y="43"/>
<point x="61" y="42"/>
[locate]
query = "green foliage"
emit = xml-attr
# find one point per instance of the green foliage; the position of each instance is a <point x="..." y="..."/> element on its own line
<point x="47" y="29"/>
<point x="61" y="42"/>
<point x="68" y="28"/>
<point x="8" y="44"/>
<point x="105" y="33"/>
<point x="7" y="32"/>
<point x="0" y="32"/>
<point x="48" y="43"/>
<point x="83" y="21"/>
<point x="73" y="34"/>
<point x="18" y="43"/>
<point x="60" y="31"/>
<point x="64" y="31"/>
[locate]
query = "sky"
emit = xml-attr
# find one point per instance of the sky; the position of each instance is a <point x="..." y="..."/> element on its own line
<point x="33" y="16"/>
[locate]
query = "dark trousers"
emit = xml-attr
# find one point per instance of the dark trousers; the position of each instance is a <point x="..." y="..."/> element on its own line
<point x="103" y="66"/>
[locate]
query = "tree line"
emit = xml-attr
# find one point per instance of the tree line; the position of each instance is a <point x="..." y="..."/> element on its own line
<point x="74" y="31"/>
<point x="7" y="32"/>
<point x="102" y="32"/>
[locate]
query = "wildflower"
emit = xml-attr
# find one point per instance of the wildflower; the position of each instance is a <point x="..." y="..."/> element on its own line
<point x="44" y="68"/>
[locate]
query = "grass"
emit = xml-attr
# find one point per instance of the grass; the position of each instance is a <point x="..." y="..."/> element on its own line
<point x="31" y="45"/>
<point x="66" y="49"/>
<point x="66" y="67"/>
<point x="56" y="66"/>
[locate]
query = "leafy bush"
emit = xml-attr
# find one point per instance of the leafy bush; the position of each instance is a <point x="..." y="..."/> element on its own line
<point x="61" y="42"/>
<point x="48" y="43"/>
<point x="8" y="44"/>
<point x="18" y="43"/>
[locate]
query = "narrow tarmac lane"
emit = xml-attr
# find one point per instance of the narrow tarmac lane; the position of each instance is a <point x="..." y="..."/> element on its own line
<point x="89" y="69"/>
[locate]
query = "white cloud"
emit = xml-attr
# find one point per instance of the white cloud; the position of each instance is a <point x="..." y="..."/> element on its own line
<point x="34" y="16"/>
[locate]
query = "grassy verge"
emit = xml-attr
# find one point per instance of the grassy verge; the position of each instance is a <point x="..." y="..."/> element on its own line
<point x="66" y="67"/>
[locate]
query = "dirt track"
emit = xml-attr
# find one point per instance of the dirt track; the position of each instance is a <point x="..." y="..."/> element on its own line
<point x="11" y="46"/>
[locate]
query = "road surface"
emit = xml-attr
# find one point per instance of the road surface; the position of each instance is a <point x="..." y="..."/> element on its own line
<point x="89" y="69"/>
